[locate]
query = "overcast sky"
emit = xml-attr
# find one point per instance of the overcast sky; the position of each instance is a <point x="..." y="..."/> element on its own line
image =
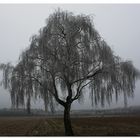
<point x="118" y="24"/>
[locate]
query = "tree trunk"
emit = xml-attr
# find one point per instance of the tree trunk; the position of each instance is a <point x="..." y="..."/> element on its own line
<point x="67" y="121"/>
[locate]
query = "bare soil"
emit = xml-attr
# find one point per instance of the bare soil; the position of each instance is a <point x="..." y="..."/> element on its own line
<point x="86" y="126"/>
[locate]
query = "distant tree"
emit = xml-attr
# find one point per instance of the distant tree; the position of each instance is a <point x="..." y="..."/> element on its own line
<point x="67" y="56"/>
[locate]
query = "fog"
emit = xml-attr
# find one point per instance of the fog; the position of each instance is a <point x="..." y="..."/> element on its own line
<point x="118" y="24"/>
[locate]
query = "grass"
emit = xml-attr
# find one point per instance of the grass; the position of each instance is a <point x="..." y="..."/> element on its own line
<point x="92" y="126"/>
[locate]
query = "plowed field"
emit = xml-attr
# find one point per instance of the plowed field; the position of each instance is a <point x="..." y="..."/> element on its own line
<point x="86" y="126"/>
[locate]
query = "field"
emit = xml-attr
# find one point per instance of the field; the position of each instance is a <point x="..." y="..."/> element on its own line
<point x="85" y="126"/>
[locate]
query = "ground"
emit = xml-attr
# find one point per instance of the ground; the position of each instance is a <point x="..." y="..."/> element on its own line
<point x="85" y="126"/>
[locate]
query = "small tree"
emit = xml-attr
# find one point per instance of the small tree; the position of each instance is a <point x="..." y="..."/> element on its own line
<point x="67" y="56"/>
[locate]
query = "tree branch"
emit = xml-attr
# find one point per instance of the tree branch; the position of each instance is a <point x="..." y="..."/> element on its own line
<point x="78" y="94"/>
<point x="56" y="94"/>
<point x="88" y="76"/>
<point x="44" y="69"/>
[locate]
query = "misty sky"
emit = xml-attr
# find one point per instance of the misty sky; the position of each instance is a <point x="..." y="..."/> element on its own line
<point x="118" y="24"/>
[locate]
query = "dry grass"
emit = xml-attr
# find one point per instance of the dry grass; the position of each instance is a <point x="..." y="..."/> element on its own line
<point x="41" y="126"/>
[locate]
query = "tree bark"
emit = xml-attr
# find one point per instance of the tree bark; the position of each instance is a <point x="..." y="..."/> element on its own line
<point x="67" y="120"/>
